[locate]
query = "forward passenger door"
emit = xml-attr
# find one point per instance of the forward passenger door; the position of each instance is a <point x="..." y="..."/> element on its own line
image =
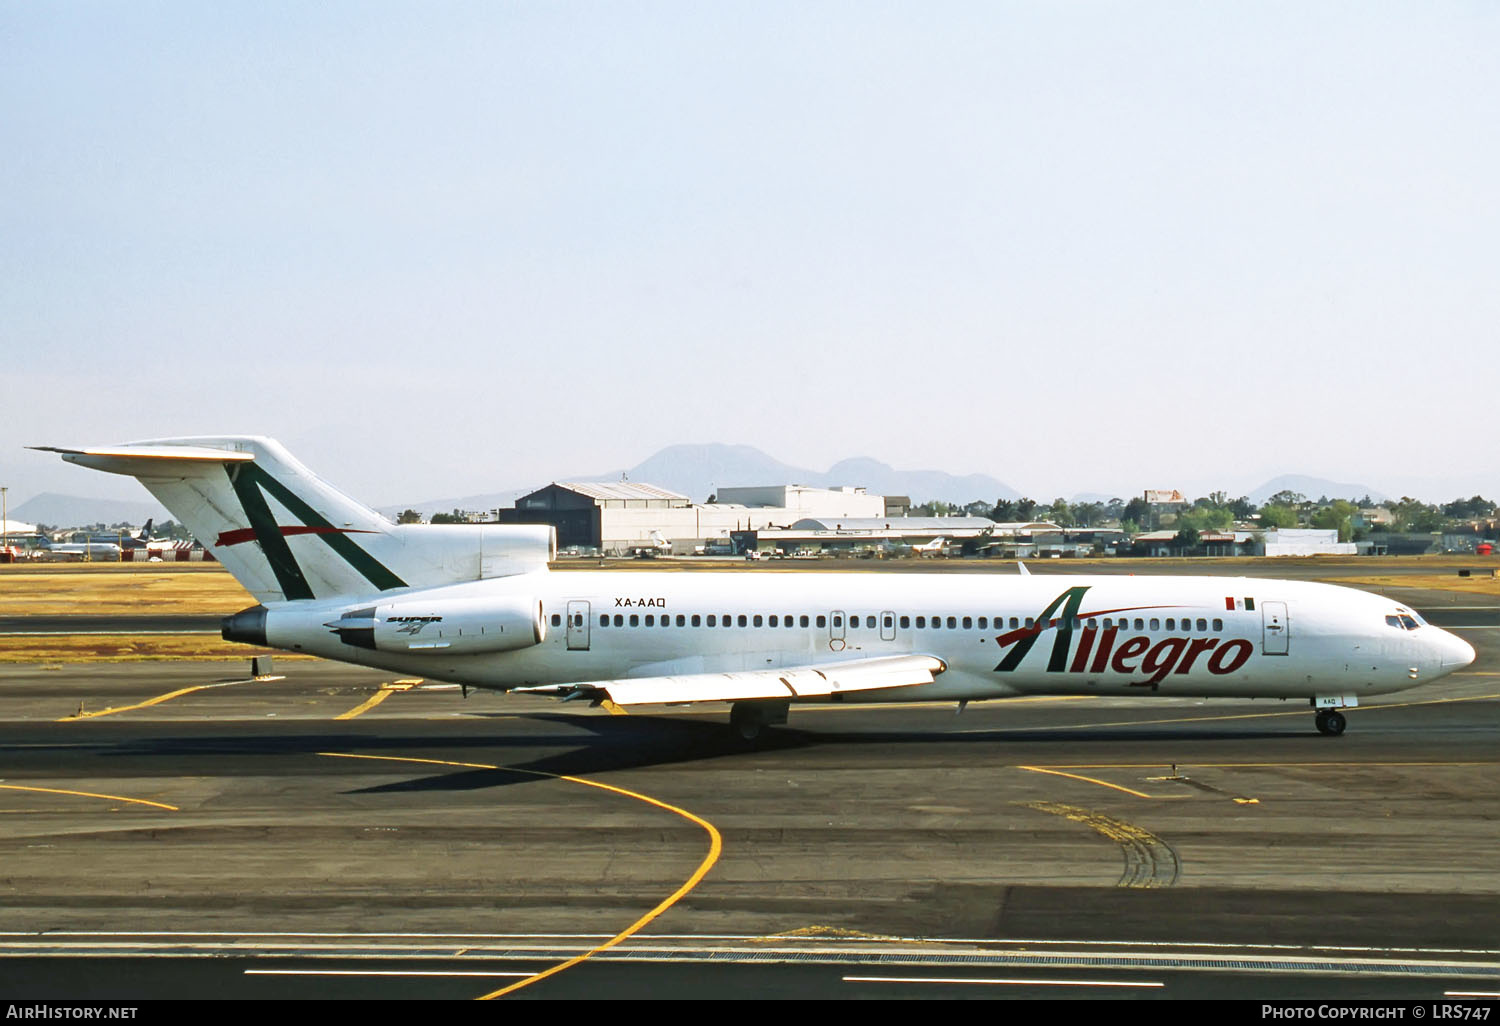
<point x="1275" y="628"/>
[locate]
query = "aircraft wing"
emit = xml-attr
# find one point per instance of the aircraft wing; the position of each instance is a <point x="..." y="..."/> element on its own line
<point x="788" y="683"/>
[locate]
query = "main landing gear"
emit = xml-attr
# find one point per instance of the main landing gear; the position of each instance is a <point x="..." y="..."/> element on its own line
<point x="749" y="720"/>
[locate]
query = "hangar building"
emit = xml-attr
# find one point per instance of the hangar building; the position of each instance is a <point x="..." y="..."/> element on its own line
<point x="616" y="517"/>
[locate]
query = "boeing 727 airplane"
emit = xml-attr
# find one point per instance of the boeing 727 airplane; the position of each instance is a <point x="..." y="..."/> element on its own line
<point x="476" y="605"/>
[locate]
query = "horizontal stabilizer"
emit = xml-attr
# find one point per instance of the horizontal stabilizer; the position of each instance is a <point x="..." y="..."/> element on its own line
<point x="138" y="460"/>
<point x="784" y="684"/>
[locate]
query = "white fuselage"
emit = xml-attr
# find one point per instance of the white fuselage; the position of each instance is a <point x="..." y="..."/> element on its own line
<point x="999" y="635"/>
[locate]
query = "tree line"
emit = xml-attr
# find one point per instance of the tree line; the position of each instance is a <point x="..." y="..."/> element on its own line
<point x="1217" y="512"/>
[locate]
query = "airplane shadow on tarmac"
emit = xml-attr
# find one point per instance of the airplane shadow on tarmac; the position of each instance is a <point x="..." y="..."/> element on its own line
<point x="614" y="744"/>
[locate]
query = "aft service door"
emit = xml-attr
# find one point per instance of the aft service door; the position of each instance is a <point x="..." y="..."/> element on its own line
<point x="836" y="630"/>
<point x="578" y="625"/>
<point x="1275" y="628"/>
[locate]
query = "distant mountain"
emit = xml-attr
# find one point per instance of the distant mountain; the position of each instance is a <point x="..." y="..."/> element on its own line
<point x="918" y="485"/>
<point x="1314" y="488"/>
<point x="698" y="471"/>
<point x="76" y="510"/>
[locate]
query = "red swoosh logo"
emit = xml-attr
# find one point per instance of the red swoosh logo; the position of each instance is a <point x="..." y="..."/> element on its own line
<point x="244" y="534"/>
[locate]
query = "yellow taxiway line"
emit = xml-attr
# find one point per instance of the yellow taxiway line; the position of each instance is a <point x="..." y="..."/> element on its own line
<point x="91" y="794"/>
<point x="1140" y="846"/>
<point x="1091" y="780"/>
<point x="715" y="848"/>
<point x="81" y="715"/>
<point x="386" y="691"/>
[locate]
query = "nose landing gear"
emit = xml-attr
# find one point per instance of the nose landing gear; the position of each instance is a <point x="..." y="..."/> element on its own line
<point x="1331" y="722"/>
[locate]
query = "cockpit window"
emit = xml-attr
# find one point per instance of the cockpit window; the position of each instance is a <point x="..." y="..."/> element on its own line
<point x="1403" y="621"/>
<point x="1393" y="621"/>
<point x="1409" y="622"/>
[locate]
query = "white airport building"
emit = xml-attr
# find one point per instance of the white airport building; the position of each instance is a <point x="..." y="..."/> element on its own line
<point x="616" y="518"/>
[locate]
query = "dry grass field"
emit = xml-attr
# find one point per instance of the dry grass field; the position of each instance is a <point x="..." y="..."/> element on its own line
<point x="118" y="589"/>
<point x="79" y="648"/>
<point x="125" y="589"/>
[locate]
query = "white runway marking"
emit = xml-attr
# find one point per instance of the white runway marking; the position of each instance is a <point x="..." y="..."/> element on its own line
<point x="998" y="982"/>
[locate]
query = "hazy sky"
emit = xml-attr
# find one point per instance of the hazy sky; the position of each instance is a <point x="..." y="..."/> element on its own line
<point x="443" y="248"/>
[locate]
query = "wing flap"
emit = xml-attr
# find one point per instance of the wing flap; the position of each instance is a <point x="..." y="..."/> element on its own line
<point x="785" y="684"/>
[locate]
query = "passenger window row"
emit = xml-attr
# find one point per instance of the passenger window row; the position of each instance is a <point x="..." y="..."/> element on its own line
<point x="907" y="622"/>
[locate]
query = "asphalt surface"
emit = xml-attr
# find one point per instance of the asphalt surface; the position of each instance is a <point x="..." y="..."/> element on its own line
<point x="337" y="834"/>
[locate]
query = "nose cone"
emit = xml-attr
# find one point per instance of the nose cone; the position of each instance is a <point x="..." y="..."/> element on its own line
<point x="1455" y="652"/>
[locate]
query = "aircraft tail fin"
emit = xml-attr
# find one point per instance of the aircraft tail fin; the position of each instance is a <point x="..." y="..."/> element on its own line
<point x="287" y="535"/>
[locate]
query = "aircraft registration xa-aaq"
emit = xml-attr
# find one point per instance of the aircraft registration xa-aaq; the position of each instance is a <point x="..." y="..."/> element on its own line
<point x="476" y="605"/>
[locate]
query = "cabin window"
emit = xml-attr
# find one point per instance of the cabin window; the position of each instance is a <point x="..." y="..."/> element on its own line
<point x="635" y="620"/>
<point x="838" y="621"/>
<point x="1014" y="623"/>
<point x="743" y="621"/>
<point x="823" y="621"/>
<point x="725" y="621"/>
<point x="1202" y="625"/>
<point x="697" y="620"/>
<point x="604" y="620"/>
<point x="756" y="621"/>
<point x="870" y="622"/>
<point x="984" y="623"/>
<point x="1155" y="624"/>
<point x="1108" y="623"/>
<point x="773" y="621"/>
<point x="953" y="623"/>
<point x="1218" y="625"/>
<point x="650" y="620"/>
<point x="803" y="620"/>
<point x="556" y="620"/>
<point x="713" y="621"/>
<point x="681" y="618"/>
<point x="968" y="623"/>
<point x="905" y="622"/>
<point x="786" y="621"/>
<point x="1030" y="623"/>
<point x="1093" y="625"/>
<point x="921" y="622"/>
<point x="1171" y="624"/>
<point x="886" y="621"/>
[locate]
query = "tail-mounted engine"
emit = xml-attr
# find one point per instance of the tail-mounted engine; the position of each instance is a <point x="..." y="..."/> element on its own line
<point x="448" y="626"/>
